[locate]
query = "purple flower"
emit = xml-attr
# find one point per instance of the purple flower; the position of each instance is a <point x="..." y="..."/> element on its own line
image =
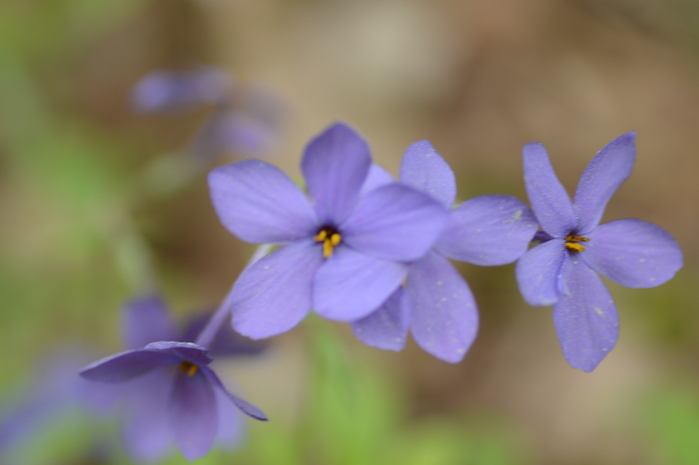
<point x="57" y="393"/>
<point x="238" y="130"/>
<point x="169" y="391"/>
<point x="246" y="121"/>
<point x="166" y="91"/>
<point x="561" y="271"/>
<point x="436" y="303"/>
<point x="342" y="251"/>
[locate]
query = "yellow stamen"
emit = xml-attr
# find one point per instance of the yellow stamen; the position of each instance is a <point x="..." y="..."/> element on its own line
<point x="335" y="239"/>
<point x="189" y="368"/>
<point x="327" y="249"/>
<point x="574" y="247"/>
<point x="320" y="237"/>
<point x="572" y="243"/>
<point x="330" y="240"/>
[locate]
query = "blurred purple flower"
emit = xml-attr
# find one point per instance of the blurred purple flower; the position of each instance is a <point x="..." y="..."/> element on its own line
<point x="436" y="303"/>
<point x="342" y="252"/>
<point x="57" y="392"/>
<point x="166" y="91"/>
<point x="169" y="391"/>
<point x="561" y="270"/>
<point x="247" y="126"/>
<point x="246" y="121"/>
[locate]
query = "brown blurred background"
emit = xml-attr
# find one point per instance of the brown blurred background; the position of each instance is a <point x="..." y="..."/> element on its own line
<point x="477" y="78"/>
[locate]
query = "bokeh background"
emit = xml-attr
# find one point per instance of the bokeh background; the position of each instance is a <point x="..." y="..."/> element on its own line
<point x="98" y="203"/>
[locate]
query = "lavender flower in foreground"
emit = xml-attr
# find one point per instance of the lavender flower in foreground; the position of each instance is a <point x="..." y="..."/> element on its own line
<point x="561" y="271"/>
<point x="436" y="303"/>
<point x="342" y="252"/>
<point x="169" y="391"/>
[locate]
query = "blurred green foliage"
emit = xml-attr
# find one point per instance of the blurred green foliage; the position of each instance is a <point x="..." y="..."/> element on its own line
<point x="671" y="423"/>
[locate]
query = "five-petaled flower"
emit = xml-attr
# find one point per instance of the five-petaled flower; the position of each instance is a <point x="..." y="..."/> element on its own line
<point x="169" y="391"/>
<point x="343" y="252"/>
<point x="562" y="269"/>
<point x="436" y="303"/>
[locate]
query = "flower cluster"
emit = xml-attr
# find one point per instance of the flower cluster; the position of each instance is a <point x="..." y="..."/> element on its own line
<point x="364" y="248"/>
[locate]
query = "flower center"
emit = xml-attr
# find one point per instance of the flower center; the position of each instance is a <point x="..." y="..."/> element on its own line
<point x="572" y="243"/>
<point x="330" y="237"/>
<point x="189" y="368"/>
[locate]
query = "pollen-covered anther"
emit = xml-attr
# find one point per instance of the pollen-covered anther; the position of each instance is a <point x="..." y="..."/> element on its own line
<point x="572" y="243"/>
<point x="189" y="368"/>
<point x="330" y="239"/>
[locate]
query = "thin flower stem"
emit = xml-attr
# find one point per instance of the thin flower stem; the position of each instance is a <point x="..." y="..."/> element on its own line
<point x="209" y="332"/>
<point x="211" y="329"/>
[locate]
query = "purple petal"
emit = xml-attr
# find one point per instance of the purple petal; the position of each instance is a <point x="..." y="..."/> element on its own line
<point x="489" y="230"/>
<point x="425" y="170"/>
<point x="188" y="351"/>
<point x="246" y="135"/>
<point x="56" y="391"/>
<point x="258" y="203"/>
<point x="394" y="222"/>
<point x="193" y="414"/>
<point x="147" y="433"/>
<point x="377" y="177"/>
<point x="443" y="315"/>
<point x="22" y="422"/>
<point x="538" y="272"/>
<point x="633" y="253"/>
<point x="274" y="294"/>
<point x="244" y="406"/>
<point x="541" y="237"/>
<point x="98" y="398"/>
<point x="173" y="91"/>
<point x="602" y="177"/>
<point x="549" y="199"/>
<point x="585" y="316"/>
<point x="335" y="165"/>
<point x="387" y="327"/>
<point x="128" y="365"/>
<point x="59" y="378"/>
<point x="234" y="131"/>
<point x="147" y="319"/>
<point x="350" y="285"/>
<point x="231" y="423"/>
